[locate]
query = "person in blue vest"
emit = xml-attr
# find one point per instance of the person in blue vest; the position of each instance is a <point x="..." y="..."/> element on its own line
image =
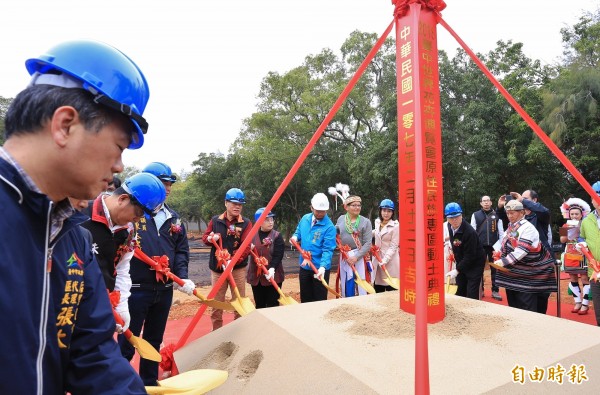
<point x="489" y="228"/>
<point x="231" y="228"/>
<point x="160" y="232"/>
<point x="316" y="234"/>
<point x="468" y="253"/>
<point x="112" y="217"/>
<point x="268" y="243"/>
<point x="65" y="135"/>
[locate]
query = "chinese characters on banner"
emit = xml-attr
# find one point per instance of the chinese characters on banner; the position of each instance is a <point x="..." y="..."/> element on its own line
<point x="417" y="74"/>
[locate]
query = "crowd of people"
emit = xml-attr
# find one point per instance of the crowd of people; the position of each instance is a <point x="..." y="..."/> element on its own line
<point x="69" y="276"/>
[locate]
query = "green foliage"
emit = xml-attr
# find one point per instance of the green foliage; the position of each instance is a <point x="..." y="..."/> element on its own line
<point x="4" y="104"/>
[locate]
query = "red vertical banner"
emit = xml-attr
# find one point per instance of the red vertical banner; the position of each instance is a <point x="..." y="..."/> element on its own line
<point x="419" y="163"/>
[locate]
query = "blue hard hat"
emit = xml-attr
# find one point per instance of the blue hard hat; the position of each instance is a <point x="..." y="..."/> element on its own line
<point x="259" y="212"/>
<point x="146" y="190"/>
<point x="596" y="187"/>
<point x="452" y="210"/>
<point x="235" y="195"/>
<point x="160" y="170"/>
<point x="113" y="79"/>
<point x="387" y="203"/>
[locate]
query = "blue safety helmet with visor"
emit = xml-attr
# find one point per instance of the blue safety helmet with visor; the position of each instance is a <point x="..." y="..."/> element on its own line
<point x="147" y="191"/>
<point x="259" y="212"/>
<point x="452" y="210"/>
<point x="387" y="203"/>
<point x="160" y="170"/>
<point x="235" y="195"/>
<point x="113" y="79"/>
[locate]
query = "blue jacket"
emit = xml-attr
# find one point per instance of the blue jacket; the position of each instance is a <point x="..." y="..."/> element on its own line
<point x="57" y="322"/>
<point x="171" y="241"/>
<point x="319" y="240"/>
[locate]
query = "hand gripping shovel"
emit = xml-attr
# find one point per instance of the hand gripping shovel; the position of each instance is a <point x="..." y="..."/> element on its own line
<point x="215" y="304"/>
<point x="306" y="255"/>
<point x="391" y="281"/>
<point x="144" y="348"/>
<point x="194" y="382"/>
<point x="243" y="306"/>
<point x="344" y="251"/>
<point x="261" y="262"/>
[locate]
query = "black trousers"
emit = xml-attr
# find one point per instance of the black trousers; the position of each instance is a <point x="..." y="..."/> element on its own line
<point x="383" y="288"/>
<point x="311" y="289"/>
<point x="265" y="295"/>
<point x="536" y="302"/>
<point x="468" y="286"/>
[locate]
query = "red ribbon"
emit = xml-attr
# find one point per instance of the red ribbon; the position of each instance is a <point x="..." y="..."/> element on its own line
<point x="114" y="297"/>
<point x="167" y="364"/>
<point x="402" y="6"/>
<point x="161" y="267"/>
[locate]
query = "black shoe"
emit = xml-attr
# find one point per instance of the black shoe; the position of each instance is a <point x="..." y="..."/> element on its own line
<point x="496" y="295"/>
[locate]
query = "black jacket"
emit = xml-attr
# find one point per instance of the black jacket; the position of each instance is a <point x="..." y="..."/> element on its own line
<point x="467" y="249"/>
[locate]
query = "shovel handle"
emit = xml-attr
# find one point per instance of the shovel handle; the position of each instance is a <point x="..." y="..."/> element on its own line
<point x="265" y="271"/>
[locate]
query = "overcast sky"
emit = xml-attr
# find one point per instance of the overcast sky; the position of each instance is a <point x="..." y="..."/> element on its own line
<point x="205" y="59"/>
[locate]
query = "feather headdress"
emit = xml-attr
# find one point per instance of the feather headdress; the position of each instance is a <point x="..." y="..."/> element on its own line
<point x="574" y="203"/>
<point x="340" y="190"/>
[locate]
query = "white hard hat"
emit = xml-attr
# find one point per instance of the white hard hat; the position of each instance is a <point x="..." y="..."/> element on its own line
<point x="320" y="202"/>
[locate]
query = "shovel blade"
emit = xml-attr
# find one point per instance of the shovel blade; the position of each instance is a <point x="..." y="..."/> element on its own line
<point x="216" y="304"/>
<point x="237" y="305"/>
<point x="145" y="349"/>
<point x="392" y="282"/>
<point x="365" y="285"/>
<point x="197" y="381"/>
<point x="450" y="288"/>
<point x="286" y="300"/>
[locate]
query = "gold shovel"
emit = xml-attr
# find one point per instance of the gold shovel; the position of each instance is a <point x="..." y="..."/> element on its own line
<point x="145" y="349"/>
<point x="193" y="382"/>
<point x="362" y="283"/>
<point x="242" y="305"/>
<point x="343" y="251"/>
<point x="215" y="304"/>
<point x="391" y="281"/>
<point x="450" y="288"/>
<point x="306" y="255"/>
<point x="261" y="262"/>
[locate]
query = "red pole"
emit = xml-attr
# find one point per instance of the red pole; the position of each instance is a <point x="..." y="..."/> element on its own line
<point x="421" y="349"/>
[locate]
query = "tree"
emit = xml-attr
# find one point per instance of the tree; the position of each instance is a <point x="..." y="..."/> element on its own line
<point x="571" y="101"/>
<point x="4" y="104"/>
<point x="487" y="148"/>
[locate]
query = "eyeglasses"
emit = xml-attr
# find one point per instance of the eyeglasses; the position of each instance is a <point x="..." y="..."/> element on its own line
<point x="355" y="205"/>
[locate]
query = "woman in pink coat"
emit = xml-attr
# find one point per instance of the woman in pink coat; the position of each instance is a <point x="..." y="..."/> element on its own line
<point x="386" y="237"/>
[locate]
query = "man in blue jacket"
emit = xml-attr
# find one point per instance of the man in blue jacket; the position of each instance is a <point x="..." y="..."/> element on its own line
<point x="65" y="134"/>
<point x="316" y="233"/>
<point x="159" y="233"/>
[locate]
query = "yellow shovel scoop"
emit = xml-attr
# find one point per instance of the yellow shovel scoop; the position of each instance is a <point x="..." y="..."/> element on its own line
<point x="450" y="288"/>
<point x="145" y="349"/>
<point x="262" y="262"/>
<point x="391" y="281"/>
<point x="193" y="382"/>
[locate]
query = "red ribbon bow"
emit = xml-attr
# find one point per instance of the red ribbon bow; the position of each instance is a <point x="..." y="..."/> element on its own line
<point x="161" y="267"/>
<point x="402" y="6"/>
